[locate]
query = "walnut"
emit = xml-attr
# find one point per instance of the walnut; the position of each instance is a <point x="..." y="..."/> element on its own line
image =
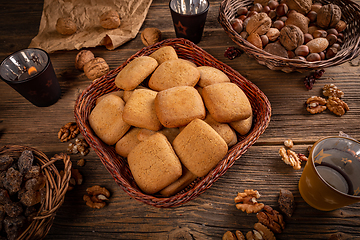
<point x="247" y="201"/>
<point x="80" y="146"/>
<point x="302" y="157"/>
<point x="65" y="26"/>
<point x="260" y="232"/>
<point x="229" y="236"/>
<point x="258" y="23"/>
<point x="271" y="219"/>
<point x="96" y="68"/>
<point x="315" y="104"/>
<point x="337" y="106"/>
<point x="290" y="158"/>
<point x="288" y="143"/>
<point x="301" y="6"/>
<point x="150" y="36"/>
<point x="68" y="132"/>
<point x="328" y="16"/>
<point x="82" y="58"/>
<point x="96" y="196"/>
<point x="286" y="202"/>
<point x="332" y="90"/>
<point x="75" y="179"/>
<point x="110" y="20"/>
<point x="291" y="37"/>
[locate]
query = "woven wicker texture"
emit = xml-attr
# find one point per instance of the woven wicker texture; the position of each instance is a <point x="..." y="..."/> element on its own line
<point x="56" y="187"/>
<point x="118" y="167"/>
<point x="350" y="48"/>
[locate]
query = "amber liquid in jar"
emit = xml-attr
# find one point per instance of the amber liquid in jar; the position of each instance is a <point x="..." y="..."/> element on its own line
<point x="325" y="183"/>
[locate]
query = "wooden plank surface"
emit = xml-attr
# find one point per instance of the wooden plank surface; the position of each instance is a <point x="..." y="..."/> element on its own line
<point x="213" y="213"/>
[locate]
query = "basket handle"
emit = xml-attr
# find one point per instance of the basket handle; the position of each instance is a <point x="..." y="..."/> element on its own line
<point x="57" y="185"/>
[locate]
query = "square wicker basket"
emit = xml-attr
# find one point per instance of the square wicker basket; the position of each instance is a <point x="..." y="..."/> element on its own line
<point x="118" y="167"/>
<point x="350" y="48"/>
<point x="56" y="187"/>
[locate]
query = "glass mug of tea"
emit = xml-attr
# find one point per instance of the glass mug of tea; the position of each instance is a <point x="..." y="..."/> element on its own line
<point x="331" y="177"/>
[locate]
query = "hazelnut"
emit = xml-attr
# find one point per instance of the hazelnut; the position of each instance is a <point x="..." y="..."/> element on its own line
<point x="96" y="68"/>
<point x="256" y="7"/>
<point x="316" y="7"/>
<point x="150" y="36"/>
<point x="319" y="33"/>
<point x="242" y="11"/>
<point x="237" y="25"/>
<point x="266" y="9"/>
<point x="272" y="14"/>
<point x="291" y="54"/>
<point x="244" y="34"/>
<point x="82" y="58"/>
<point x="262" y="2"/>
<point x="322" y="55"/>
<point x="264" y="40"/>
<point x="65" y="26"/>
<point x="251" y="13"/>
<point x="340" y="26"/>
<point x="312" y="16"/>
<point x="312" y="29"/>
<point x="332" y="31"/>
<point x="110" y="19"/>
<point x="302" y="50"/>
<point x="242" y="17"/>
<point x="278" y="24"/>
<point x="332" y="38"/>
<point x="282" y="9"/>
<point x="273" y="4"/>
<point x="313" y="57"/>
<point x="331" y="52"/>
<point x="308" y="37"/>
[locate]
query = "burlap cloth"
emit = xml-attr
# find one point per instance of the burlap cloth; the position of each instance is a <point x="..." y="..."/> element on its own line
<point x="86" y="14"/>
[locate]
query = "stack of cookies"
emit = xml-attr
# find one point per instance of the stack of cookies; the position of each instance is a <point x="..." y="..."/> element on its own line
<point x="172" y="120"/>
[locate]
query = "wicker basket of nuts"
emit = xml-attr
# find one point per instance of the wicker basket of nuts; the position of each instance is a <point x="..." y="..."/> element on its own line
<point x="293" y="35"/>
<point x="121" y="164"/>
<point x="31" y="191"/>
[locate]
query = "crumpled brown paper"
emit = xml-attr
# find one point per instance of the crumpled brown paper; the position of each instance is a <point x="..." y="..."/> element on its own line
<point x="86" y="14"/>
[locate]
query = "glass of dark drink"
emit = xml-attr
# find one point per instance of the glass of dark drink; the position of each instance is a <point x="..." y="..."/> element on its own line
<point x="331" y="178"/>
<point x="30" y="73"/>
<point x="189" y="18"/>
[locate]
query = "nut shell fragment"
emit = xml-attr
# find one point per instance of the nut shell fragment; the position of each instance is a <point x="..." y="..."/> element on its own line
<point x="286" y="202"/>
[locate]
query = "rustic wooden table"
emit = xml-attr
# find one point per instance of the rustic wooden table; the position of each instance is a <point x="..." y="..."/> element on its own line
<point x="213" y="213"/>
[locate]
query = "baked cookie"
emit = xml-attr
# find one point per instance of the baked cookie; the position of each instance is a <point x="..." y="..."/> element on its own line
<point x="178" y="106"/>
<point x="199" y="147"/>
<point x="154" y="164"/>
<point x="223" y="129"/>
<point x="210" y="75"/>
<point x="139" y="110"/>
<point x="128" y="142"/>
<point x="106" y="119"/>
<point x="174" y="73"/>
<point x="163" y="54"/>
<point x="226" y="102"/>
<point x="135" y="72"/>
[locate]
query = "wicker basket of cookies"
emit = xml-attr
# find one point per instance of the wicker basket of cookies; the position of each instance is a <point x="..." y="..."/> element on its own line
<point x="169" y="147"/>
<point x="294" y="35"/>
<point x="31" y="192"/>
